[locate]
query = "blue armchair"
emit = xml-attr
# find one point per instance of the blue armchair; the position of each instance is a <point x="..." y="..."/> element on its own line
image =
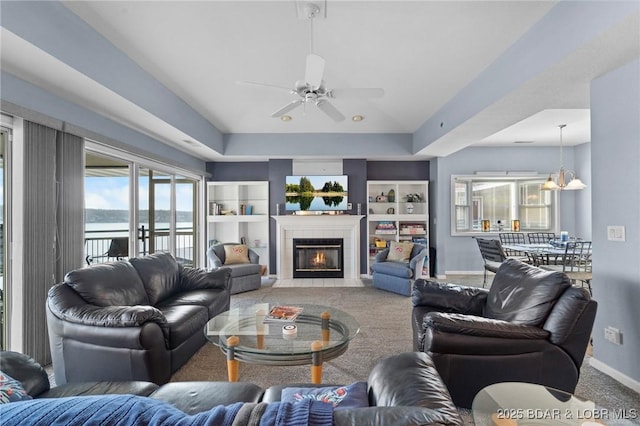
<point x="398" y="276"/>
<point x="245" y="273"/>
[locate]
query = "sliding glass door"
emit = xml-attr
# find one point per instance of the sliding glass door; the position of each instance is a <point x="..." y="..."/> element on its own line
<point x="106" y="199"/>
<point x="4" y="145"/>
<point x="164" y="220"/>
<point x="186" y="223"/>
<point x="167" y="206"/>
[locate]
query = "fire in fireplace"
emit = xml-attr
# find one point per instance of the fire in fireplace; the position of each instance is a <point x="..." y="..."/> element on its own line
<point x="318" y="258"/>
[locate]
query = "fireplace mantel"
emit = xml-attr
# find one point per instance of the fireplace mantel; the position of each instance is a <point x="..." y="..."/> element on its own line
<point x="342" y="226"/>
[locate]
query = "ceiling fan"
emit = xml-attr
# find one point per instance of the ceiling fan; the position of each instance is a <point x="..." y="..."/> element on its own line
<point x="312" y="90"/>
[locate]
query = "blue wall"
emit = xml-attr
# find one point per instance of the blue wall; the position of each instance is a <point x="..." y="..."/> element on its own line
<point x="358" y="170"/>
<point x="615" y="153"/>
<point x="460" y="253"/>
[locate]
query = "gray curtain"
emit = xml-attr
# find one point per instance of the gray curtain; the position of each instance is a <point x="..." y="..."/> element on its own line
<point x="70" y="212"/>
<point x="38" y="239"/>
<point x="53" y="233"/>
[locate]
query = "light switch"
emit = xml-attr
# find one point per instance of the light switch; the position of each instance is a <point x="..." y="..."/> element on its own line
<point x="615" y="233"/>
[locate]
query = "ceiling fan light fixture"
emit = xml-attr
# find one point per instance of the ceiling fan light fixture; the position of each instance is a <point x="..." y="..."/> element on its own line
<point x="312" y="90"/>
<point x="357" y="118"/>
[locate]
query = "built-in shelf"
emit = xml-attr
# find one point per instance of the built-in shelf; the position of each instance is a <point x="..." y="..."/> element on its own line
<point x="391" y="216"/>
<point x="228" y="219"/>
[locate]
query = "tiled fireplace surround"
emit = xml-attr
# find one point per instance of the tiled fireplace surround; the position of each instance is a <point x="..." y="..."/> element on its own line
<point x="342" y="226"/>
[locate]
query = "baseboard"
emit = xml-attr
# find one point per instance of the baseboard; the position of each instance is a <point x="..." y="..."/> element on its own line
<point x="615" y="374"/>
<point x="461" y="273"/>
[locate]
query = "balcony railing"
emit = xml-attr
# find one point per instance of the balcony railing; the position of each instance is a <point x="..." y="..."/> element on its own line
<point x="109" y="245"/>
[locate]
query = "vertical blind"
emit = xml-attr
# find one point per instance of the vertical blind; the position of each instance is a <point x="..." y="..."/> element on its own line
<point x="53" y="239"/>
<point x="38" y="235"/>
<point x="70" y="202"/>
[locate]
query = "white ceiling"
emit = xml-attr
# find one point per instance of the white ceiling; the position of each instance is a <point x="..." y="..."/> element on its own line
<point x="422" y="53"/>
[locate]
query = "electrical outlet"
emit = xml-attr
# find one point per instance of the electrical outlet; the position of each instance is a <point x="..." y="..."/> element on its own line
<point x="349" y="206"/>
<point x="613" y="335"/>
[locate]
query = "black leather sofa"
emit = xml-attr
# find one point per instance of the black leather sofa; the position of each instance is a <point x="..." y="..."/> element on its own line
<point x="140" y="319"/>
<point x="531" y="326"/>
<point x="404" y="389"/>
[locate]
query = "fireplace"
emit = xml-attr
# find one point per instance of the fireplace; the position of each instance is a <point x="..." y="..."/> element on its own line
<point x="318" y="258"/>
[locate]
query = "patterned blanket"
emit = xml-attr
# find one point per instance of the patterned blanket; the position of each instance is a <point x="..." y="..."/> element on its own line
<point x="138" y="410"/>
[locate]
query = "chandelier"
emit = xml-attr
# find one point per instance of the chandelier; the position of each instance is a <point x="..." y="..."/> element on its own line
<point x="562" y="175"/>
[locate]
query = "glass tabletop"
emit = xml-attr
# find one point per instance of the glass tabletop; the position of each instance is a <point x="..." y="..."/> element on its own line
<point x="268" y="343"/>
<point x="526" y="404"/>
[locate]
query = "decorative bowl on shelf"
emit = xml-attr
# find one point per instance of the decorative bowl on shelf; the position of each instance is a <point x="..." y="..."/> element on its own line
<point x="381" y="243"/>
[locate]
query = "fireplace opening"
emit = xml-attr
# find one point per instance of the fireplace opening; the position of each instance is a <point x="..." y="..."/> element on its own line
<point x="318" y="258"/>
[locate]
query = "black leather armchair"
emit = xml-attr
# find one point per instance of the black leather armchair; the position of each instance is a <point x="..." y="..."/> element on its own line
<point x="531" y="326"/>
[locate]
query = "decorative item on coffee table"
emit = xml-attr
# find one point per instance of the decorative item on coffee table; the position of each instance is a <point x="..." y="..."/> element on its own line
<point x="283" y="313"/>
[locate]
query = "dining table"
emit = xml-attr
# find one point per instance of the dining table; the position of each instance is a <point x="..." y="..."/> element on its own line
<point x="540" y="251"/>
<point x="556" y="257"/>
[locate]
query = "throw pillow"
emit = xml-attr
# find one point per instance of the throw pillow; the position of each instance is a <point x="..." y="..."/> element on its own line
<point x="11" y="390"/>
<point x="351" y="396"/>
<point x="234" y="254"/>
<point x="400" y="252"/>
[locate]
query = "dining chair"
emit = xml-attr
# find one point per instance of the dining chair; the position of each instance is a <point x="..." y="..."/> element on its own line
<point x="492" y="255"/>
<point x="540" y="237"/>
<point x="543" y="238"/>
<point x="118" y="250"/>
<point x="514" y="238"/>
<point x="576" y="262"/>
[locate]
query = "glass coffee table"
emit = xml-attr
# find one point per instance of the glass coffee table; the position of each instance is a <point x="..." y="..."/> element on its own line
<point x="320" y="333"/>
<point x="521" y="404"/>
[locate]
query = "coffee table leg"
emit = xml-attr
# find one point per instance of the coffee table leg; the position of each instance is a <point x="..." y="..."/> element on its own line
<point x="233" y="366"/>
<point x="326" y="332"/>
<point x="260" y="328"/>
<point x="316" y="362"/>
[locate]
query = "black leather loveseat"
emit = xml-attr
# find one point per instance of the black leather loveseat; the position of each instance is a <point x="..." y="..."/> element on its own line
<point x="404" y="389"/>
<point x="531" y="326"/>
<point x="140" y="319"/>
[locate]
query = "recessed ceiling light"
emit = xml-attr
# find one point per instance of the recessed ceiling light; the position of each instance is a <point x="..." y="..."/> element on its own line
<point x="357" y="117"/>
<point x="286" y="118"/>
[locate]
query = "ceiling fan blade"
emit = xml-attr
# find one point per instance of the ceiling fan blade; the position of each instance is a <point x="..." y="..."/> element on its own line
<point x="328" y="108"/>
<point x="356" y="93"/>
<point x="315" y="69"/>
<point x="270" y="86"/>
<point x="288" y="107"/>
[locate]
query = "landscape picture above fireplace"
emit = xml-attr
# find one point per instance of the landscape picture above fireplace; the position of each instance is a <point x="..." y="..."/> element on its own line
<point x="316" y="193"/>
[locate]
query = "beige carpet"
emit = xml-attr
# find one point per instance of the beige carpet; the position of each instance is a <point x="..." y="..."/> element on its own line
<point x="385" y="330"/>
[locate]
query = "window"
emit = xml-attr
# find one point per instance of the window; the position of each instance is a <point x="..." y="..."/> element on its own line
<point x="500" y="200"/>
<point x="4" y="146"/>
<point x="135" y="206"/>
